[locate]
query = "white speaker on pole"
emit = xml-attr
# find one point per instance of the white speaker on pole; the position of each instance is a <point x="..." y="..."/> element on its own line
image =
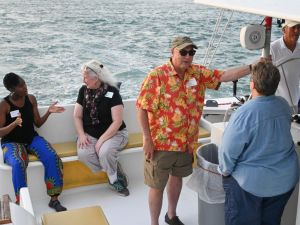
<point x="253" y="37"/>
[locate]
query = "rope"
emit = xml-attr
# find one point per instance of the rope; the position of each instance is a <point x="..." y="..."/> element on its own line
<point x="209" y="170"/>
<point x="213" y="37"/>
<point x="286" y="83"/>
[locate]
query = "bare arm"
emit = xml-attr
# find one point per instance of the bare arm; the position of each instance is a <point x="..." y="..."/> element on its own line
<point x="142" y="116"/>
<point x="38" y="120"/>
<point x="239" y="72"/>
<point x="4" y="130"/>
<point x="235" y="73"/>
<point x="77" y="115"/>
<point x="148" y="144"/>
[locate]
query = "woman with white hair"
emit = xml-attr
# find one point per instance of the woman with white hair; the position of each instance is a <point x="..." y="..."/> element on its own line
<point x="98" y="116"/>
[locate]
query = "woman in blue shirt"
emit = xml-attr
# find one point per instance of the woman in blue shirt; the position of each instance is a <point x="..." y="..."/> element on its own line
<point x="257" y="154"/>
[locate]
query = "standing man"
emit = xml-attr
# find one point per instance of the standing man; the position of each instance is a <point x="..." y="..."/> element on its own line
<point x="286" y="56"/>
<point x="257" y="154"/>
<point x="169" y="107"/>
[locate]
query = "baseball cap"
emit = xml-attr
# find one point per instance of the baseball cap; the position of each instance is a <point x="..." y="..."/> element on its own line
<point x="181" y="42"/>
<point x="290" y="23"/>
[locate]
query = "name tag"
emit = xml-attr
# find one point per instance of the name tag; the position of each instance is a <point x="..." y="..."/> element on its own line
<point x="192" y="82"/>
<point x="109" y="94"/>
<point x="14" y="113"/>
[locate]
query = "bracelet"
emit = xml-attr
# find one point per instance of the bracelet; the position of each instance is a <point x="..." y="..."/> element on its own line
<point x="250" y="67"/>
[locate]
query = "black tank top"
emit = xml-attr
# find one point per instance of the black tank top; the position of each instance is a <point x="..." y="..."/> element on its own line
<point x="23" y="134"/>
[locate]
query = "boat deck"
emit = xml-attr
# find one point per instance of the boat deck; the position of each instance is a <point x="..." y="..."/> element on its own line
<point x="131" y="210"/>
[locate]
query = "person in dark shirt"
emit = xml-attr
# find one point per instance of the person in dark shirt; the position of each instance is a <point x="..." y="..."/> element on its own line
<point x="18" y="115"/>
<point x="98" y="117"/>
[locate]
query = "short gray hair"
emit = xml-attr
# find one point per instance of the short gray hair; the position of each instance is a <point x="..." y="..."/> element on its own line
<point x="265" y="77"/>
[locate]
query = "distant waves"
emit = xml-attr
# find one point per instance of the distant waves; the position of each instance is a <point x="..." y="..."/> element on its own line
<point x="46" y="42"/>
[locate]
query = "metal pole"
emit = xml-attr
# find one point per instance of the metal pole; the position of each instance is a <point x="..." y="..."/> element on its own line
<point x="268" y="25"/>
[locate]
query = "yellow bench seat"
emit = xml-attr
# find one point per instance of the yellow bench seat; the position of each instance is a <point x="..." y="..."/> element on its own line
<point x="67" y="149"/>
<point x="89" y="215"/>
<point x="203" y="133"/>
<point x="135" y="140"/>
<point x="86" y="177"/>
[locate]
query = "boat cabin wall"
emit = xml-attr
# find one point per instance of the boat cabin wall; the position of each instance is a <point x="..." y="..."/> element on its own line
<point x="58" y="128"/>
<point x="64" y="124"/>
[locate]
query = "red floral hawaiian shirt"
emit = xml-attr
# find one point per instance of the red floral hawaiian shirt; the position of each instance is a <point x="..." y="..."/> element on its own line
<point x="175" y="106"/>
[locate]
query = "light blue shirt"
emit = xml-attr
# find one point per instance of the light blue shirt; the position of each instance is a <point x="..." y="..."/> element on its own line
<point x="257" y="148"/>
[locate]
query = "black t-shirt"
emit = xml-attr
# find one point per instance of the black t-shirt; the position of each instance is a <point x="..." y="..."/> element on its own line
<point x="26" y="132"/>
<point x="110" y="99"/>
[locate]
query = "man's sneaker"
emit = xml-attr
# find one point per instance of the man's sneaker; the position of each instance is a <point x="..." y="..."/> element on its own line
<point x="122" y="177"/>
<point x="119" y="187"/>
<point x="55" y="204"/>
<point x="174" y="221"/>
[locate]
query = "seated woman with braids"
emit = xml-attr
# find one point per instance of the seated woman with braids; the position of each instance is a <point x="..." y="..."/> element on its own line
<point x="18" y="115"/>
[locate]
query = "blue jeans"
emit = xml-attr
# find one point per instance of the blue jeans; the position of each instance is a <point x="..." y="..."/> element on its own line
<point x="243" y="208"/>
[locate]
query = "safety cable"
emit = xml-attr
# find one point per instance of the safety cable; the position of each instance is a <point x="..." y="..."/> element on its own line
<point x="209" y="51"/>
<point x="286" y="83"/>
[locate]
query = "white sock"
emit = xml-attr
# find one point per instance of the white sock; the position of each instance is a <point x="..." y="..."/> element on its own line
<point x="113" y="178"/>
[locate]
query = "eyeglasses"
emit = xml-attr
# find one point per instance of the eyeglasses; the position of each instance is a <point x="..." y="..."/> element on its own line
<point x="184" y="52"/>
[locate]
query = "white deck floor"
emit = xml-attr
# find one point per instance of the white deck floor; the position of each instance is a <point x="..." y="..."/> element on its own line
<point x="131" y="210"/>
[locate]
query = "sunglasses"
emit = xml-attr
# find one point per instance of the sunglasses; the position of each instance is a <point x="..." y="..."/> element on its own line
<point x="184" y="52"/>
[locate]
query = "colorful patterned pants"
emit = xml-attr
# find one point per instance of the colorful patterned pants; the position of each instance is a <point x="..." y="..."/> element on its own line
<point x="16" y="155"/>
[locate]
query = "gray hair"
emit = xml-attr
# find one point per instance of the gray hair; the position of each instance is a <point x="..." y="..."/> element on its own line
<point x="97" y="70"/>
<point x="266" y="78"/>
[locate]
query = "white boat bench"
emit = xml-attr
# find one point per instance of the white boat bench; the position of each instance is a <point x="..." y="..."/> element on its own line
<point x="24" y="214"/>
<point x="59" y="130"/>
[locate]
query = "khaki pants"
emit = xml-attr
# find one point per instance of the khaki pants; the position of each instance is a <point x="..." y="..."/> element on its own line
<point x="107" y="158"/>
<point x="167" y="163"/>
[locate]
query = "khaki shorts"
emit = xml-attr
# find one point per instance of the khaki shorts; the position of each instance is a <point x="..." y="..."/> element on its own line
<point x="157" y="171"/>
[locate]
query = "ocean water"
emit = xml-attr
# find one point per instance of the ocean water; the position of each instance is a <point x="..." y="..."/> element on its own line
<point x="46" y="42"/>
